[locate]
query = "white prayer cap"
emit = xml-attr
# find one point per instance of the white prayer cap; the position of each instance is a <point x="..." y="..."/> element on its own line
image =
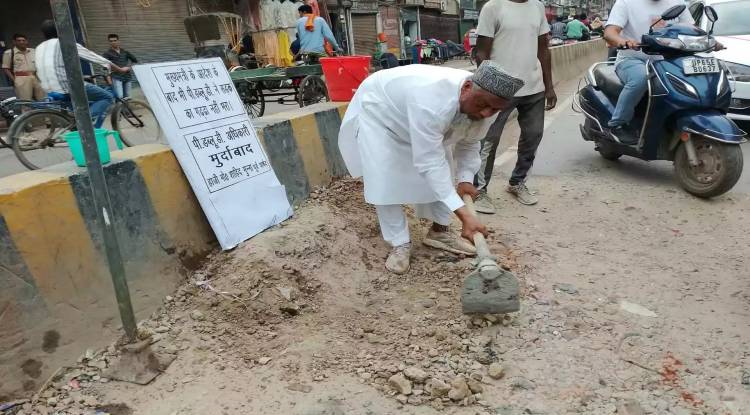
<point x="493" y="79"/>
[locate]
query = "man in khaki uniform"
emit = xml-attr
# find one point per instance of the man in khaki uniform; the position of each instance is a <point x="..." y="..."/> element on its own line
<point x="19" y="65"/>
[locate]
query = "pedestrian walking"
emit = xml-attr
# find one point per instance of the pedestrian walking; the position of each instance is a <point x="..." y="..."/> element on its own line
<point x="121" y="82"/>
<point x="513" y="33"/>
<point x="409" y="131"/>
<point x="19" y="63"/>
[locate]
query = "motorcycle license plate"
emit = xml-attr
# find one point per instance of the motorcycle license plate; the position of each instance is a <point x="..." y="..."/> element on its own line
<point x="694" y="66"/>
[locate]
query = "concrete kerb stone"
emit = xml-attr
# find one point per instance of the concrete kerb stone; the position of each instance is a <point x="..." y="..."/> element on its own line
<point x="54" y="283"/>
<point x="302" y="146"/>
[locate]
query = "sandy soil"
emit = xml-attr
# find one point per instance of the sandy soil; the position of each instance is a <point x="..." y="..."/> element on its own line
<point x="636" y="299"/>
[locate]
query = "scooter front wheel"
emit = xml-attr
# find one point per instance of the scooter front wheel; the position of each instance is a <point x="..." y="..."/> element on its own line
<point x="718" y="170"/>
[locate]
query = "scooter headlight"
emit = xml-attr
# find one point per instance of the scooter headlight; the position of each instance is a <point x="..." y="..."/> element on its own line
<point x="670" y="43"/>
<point x="741" y="73"/>
<point x="697" y="43"/>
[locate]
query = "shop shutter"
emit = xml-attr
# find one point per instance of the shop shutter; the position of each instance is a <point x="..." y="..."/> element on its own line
<point x="19" y="19"/>
<point x="211" y="6"/>
<point x="436" y="26"/>
<point x="153" y="34"/>
<point x="365" y="33"/>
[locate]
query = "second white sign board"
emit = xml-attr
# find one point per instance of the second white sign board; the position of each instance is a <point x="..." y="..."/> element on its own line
<point x="212" y="137"/>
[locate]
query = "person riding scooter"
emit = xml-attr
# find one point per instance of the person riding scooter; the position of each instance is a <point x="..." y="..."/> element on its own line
<point x="683" y="118"/>
<point x="628" y="21"/>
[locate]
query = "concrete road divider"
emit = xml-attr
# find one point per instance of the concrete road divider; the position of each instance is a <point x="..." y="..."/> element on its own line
<point x="56" y="296"/>
<point x="571" y="61"/>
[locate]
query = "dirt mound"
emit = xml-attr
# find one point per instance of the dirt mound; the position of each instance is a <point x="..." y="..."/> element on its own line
<point x="321" y="274"/>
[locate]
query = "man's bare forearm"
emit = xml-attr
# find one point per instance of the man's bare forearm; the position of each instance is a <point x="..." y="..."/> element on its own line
<point x="612" y="36"/>
<point x="545" y="58"/>
<point x="484" y="49"/>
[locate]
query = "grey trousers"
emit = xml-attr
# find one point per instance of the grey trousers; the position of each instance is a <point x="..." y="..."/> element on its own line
<point x="531" y="120"/>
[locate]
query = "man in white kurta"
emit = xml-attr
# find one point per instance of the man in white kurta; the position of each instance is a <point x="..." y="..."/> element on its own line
<point x="412" y="133"/>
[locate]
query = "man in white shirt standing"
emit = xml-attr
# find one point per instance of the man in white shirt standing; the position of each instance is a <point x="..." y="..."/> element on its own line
<point x="412" y="132"/>
<point x="628" y="21"/>
<point x="51" y="72"/>
<point x="513" y="33"/>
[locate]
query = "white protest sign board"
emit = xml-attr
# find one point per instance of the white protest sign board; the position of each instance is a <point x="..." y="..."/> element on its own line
<point x="212" y="137"/>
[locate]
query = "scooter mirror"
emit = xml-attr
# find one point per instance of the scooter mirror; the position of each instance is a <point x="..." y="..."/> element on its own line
<point x="711" y="14"/>
<point x="673" y="12"/>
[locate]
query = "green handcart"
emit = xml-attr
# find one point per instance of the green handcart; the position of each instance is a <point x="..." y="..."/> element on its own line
<point x="296" y="85"/>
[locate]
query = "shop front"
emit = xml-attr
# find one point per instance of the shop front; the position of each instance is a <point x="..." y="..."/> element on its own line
<point x="364" y="23"/>
<point x="435" y="25"/>
<point x="390" y="21"/>
<point x="153" y="34"/>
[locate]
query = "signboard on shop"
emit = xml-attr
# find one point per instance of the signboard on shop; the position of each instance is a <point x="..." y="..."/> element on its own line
<point x="364" y="6"/>
<point x="470" y="14"/>
<point x="216" y="145"/>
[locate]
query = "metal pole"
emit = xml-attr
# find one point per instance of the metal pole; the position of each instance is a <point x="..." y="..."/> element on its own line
<point x="419" y="26"/>
<point x="350" y="31"/>
<point x="100" y="195"/>
<point x="401" y="48"/>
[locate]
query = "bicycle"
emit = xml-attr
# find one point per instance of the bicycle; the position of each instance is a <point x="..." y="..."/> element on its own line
<point x="9" y="112"/>
<point x="37" y="135"/>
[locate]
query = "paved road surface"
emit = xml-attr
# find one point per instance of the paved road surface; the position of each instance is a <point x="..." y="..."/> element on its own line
<point x="563" y="152"/>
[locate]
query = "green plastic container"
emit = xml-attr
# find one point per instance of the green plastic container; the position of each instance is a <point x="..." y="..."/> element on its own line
<point x="76" y="146"/>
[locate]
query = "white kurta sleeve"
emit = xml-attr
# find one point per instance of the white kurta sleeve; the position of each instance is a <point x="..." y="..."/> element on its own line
<point x="92" y="57"/>
<point x="427" y="131"/>
<point x="468" y="160"/>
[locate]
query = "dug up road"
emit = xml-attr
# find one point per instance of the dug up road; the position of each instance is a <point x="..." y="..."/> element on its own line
<point x="635" y="300"/>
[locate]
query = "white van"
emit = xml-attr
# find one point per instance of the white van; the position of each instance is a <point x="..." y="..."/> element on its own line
<point x="732" y="29"/>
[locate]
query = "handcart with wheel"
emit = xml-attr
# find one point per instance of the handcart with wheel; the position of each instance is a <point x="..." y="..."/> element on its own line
<point x="296" y="85"/>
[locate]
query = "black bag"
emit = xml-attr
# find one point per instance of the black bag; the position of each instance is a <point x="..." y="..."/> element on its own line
<point x="388" y="60"/>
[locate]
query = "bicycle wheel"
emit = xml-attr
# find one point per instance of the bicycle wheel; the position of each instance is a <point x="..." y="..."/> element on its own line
<point x="136" y="123"/>
<point x="312" y="90"/>
<point x="37" y="138"/>
<point x="252" y="97"/>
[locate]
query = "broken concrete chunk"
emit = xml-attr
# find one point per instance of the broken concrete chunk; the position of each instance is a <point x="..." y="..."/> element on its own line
<point x="400" y="384"/>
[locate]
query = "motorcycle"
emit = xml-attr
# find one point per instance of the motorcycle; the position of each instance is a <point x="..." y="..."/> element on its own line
<point x="682" y="118"/>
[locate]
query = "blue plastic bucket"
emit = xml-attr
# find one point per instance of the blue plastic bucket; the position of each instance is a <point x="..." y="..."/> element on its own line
<point x="76" y="145"/>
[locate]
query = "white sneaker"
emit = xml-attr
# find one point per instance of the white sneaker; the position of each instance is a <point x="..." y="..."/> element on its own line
<point x="449" y="241"/>
<point x="399" y="259"/>
<point x="484" y="204"/>
<point x="523" y="194"/>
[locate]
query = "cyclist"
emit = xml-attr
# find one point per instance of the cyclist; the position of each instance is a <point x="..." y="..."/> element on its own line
<point x="51" y="72"/>
<point x="313" y="32"/>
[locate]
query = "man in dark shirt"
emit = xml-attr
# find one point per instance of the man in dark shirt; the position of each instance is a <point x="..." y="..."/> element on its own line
<point x="122" y="58"/>
<point x="559" y="28"/>
<point x="295" y="47"/>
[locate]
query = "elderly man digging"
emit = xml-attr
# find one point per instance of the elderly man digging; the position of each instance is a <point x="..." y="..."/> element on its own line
<point x="412" y="132"/>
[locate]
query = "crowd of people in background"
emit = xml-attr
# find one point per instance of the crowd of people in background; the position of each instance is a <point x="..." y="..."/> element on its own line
<point x="561" y="29"/>
<point x="576" y="27"/>
<point x="21" y="65"/>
